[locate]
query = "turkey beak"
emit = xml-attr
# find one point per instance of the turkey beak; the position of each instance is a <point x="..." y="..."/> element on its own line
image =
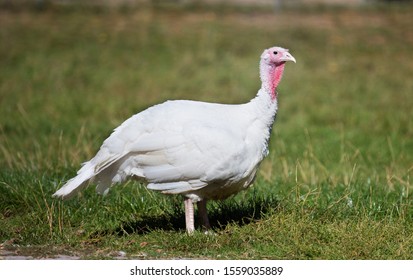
<point x="287" y="57"/>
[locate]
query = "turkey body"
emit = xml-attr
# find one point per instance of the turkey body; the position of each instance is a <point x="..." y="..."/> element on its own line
<point x="198" y="149"/>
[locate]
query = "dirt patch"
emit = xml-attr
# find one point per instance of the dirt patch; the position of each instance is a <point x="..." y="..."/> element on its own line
<point x="9" y="250"/>
<point x="14" y="252"/>
<point x="10" y="255"/>
<point x="20" y="255"/>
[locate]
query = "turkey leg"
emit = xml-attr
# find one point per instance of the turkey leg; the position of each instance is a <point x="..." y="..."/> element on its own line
<point x="189" y="215"/>
<point x="203" y="215"/>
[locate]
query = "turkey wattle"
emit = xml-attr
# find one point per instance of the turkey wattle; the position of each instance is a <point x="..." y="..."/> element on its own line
<point x="197" y="149"/>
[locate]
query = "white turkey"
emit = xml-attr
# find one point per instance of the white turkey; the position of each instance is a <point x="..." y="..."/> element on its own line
<point x="196" y="149"/>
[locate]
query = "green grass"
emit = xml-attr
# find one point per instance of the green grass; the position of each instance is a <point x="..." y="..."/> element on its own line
<point x="336" y="185"/>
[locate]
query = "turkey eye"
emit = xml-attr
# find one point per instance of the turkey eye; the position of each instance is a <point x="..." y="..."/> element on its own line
<point x="275" y="53"/>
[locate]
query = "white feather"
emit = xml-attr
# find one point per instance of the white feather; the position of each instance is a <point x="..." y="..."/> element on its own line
<point x="77" y="183"/>
<point x="179" y="141"/>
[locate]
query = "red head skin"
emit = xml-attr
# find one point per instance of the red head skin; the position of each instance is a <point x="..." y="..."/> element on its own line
<point x="272" y="68"/>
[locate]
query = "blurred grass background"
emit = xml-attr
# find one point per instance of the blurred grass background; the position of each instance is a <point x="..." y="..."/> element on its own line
<point x="336" y="184"/>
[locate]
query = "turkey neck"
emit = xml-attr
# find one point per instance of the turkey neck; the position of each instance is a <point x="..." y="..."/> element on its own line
<point x="266" y="100"/>
<point x="271" y="75"/>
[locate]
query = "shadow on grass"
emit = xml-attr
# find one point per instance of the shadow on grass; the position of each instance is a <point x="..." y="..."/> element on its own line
<point x="220" y="215"/>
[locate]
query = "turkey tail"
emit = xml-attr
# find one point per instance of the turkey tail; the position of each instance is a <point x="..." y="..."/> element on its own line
<point x="77" y="183"/>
